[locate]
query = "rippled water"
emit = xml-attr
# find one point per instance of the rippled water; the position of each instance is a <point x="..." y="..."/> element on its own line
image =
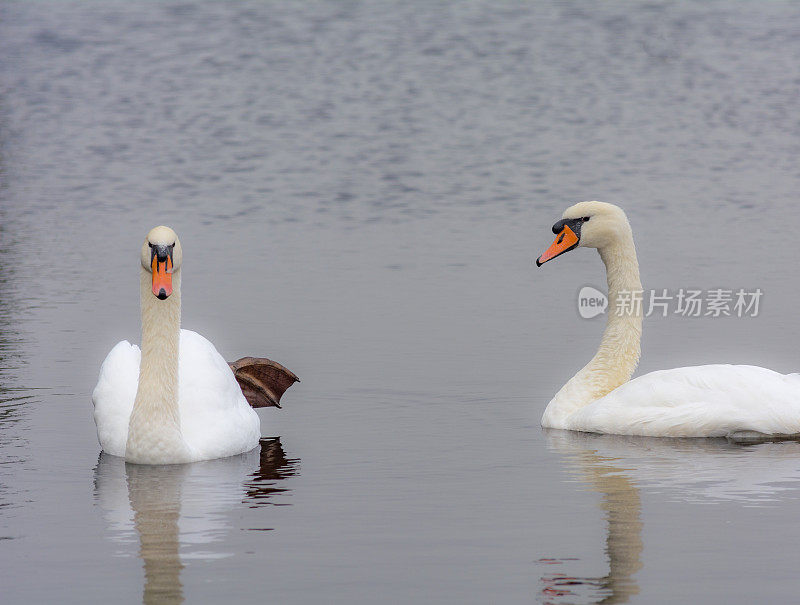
<point x="360" y="190"/>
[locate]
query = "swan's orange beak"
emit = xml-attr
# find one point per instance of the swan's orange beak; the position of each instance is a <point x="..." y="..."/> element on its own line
<point x="162" y="276"/>
<point x="566" y="240"/>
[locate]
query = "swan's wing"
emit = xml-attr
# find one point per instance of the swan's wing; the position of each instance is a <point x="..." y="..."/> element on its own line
<point x="114" y="395"/>
<point x="262" y="380"/>
<point x="699" y="401"/>
<point x="216" y="420"/>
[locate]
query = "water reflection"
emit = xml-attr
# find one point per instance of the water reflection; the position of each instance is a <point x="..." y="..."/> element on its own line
<point x="273" y="466"/>
<point x="622" y="506"/>
<point x="176" y="511"/>
<point x="686" y="470"/>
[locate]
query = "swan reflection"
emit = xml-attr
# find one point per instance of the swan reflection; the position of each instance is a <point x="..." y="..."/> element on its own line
<point x="176" y="512"/>
<point x="685" y="470"/>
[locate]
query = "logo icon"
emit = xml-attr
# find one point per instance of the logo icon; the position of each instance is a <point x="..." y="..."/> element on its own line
<point x="591" y="302"/>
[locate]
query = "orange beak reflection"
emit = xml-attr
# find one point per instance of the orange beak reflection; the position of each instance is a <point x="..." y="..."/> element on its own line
<point x="565" y="241"/>
<point x="162" y="277"/>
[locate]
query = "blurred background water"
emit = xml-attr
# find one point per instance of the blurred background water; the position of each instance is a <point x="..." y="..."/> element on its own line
<point x="360" y="189"/>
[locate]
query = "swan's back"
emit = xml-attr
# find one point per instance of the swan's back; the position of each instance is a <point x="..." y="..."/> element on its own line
<point x="698" y="401"/>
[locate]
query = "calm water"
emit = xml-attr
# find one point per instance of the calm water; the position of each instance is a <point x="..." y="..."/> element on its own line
<point x="360" y="190"/>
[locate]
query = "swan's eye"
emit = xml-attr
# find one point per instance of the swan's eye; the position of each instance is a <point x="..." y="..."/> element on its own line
<point x="586" y="218"/>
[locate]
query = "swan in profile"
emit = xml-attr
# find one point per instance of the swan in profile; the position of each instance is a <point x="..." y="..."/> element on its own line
<point x="735" y="401"/>
<point x="176" y="400"/>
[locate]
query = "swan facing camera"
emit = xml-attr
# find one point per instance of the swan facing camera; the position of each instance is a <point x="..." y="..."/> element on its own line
<point x="591" y="302"/>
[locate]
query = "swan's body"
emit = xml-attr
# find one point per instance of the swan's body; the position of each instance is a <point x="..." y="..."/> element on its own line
<point x="699" y="401"/>
<point x="215" y="419"/>
<point x="176" y="400"/>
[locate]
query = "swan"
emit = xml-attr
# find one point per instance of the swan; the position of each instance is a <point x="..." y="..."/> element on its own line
<point x="735" y="401"/>
<point x="176" y="400"/>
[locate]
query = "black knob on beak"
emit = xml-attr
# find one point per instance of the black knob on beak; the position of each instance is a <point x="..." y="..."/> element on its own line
<point x="559" y="226"/>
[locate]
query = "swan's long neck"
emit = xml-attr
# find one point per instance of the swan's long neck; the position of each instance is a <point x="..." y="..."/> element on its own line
<point x="154" y="430"/>
<point x="618" y="355"/>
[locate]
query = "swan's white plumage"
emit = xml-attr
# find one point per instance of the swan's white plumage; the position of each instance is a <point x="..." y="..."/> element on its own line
<point x="216" y="420"/>
<point x="699" y="401"/>
<point x="113" y="396"/>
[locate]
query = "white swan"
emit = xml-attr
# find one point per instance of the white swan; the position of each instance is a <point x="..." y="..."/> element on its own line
<point x="702" y="401"/>
<point x="177" y="400"/>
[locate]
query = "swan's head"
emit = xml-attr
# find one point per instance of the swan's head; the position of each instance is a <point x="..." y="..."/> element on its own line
<point x="161" y="256"/>
<point x="587" y="224"/>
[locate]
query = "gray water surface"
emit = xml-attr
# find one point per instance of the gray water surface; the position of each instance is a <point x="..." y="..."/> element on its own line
<point x="360" y="189"/>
